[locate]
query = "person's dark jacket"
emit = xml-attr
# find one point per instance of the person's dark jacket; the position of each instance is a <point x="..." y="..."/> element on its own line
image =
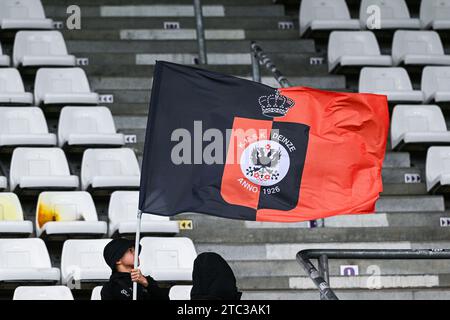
<point x="213" y="279"/>
<point x="120" y="287"/>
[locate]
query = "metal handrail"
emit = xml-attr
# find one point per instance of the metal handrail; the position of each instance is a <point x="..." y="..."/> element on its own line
<point x="260" y="57"/>
<point x="203" y="59"/>
<point x="321" y="277"/>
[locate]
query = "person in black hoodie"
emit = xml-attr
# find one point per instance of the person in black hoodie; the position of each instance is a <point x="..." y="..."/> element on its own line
<point x="213" y="279"/>
<point x="119" y="255"/>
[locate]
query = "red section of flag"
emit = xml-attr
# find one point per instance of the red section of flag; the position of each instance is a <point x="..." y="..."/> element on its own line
<point x="347" y="143"/>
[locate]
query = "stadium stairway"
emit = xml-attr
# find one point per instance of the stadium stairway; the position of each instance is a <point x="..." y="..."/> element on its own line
<point x="123" y="41"/>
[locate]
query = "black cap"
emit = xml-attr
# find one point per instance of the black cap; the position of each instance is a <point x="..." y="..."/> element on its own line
<point x="115" y="249"/>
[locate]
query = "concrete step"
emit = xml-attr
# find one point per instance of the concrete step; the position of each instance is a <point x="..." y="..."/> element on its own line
<point x="386" y="294"/>
<point x="397" y="160"/>
<point x="164" y="10"/>
<point x="404" y="189"/>
<point x="246" y="23"/>
<point x="246" y="251"/>
<point x="181" y="34"/>
<point x="397" y="175"/>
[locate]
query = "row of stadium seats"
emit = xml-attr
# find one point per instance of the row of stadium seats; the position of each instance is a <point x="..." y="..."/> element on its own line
<point x="177" y="292"/>
<point x="394" y="14"/>
<point x="396" y="84"/>
<point x="23" y="14"/>
<point x="74" y="213"/>
<point x="78" y="126"/>
<point x="52" y="86"/>
<point x="165" y="259"/>
<point x="48" y="169"/>
<point x="361" y="48"/>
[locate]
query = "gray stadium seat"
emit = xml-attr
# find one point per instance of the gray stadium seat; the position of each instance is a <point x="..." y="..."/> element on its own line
<point x="23" y="14"/>
<point x="26" y="260"/>
<point x="24" y="126"/>
<point x="394" y="14"/>
<point x="435" y="14"/>
<point x="110" y="169"/>
<point x="40" y="49"/>
<point x="41" y="169"/>
<point x="96" y="293"/>
<point x="168" y="259"/>
<point x="3" y="183"/>
<point x="418" y="124"/>
<point x="12" y="90"/>
<point x="88" y="126"/>
<point x="122" y="213"/>
<point x="436" y="84"/>
<point x="325" y="15"/>
<point x="11" y="216"/>
<point x="82" y="260"/>
<point x="43" y="293"/>
<point x="63" y="86"/>
<point x="180" y="293"/>
<point x="4" y="59"/>
<point x="68" y="213"/>
<point x="438" y="169"/>
<point x="392" y="82"/>
<point x="355" y="49"/>
<point x="418" y="48"/>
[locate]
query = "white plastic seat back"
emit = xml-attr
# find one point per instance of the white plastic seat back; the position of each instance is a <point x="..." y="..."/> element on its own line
<point x="27" y="14"/>
<point x="417" y="119"/>
<point x="434" y="10"/>
<point x="12" y="89"/>
<point x="168" y="258"/>
<point x="4" y="59"/>
<point x="64" y="207"/>
<point x="437" y="165"/>
<point x="424" y="43"/>
<point x="60" y="81"/>
<point x="10" y="207"/>
<point x="37" y="162"/>
<point x="180" y="293"/>
<point x="40" y="44"/>
<point x="22" y="121"/>
<point x="115" y="163"/>
<point x="96" y="293"/>
<point x="434" y="80"/>
<point x="83" y="260"/>
<point x="43" y="293"/>
<point x="24" y="253"/>
<point x="373" y="80"/>
<point x="311" y="10"/>
<point x="391" y="10"/>
<point x="85" y="121"/>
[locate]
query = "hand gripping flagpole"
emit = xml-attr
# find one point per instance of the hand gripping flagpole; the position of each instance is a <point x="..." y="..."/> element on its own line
<point x="136" y="250"/>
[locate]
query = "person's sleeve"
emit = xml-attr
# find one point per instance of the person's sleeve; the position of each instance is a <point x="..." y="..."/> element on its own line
<point x="154" y="292"/>
<point x="115" y="292"/>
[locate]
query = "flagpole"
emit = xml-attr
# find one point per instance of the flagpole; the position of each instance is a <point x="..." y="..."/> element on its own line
<point x="136" y="250"/>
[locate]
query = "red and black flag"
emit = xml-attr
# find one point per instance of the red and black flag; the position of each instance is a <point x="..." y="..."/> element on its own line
<point x="229" y="147"/>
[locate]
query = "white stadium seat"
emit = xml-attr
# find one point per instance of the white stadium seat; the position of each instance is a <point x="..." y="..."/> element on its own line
<point x="24" y="126"/>
<point x="12" y="90"/>
<point x="110" y="169"/>
<point x="438" y="169"/>
<point x="26" y="260"/>
<point x="418" y="124"/>
<point x="418" y="48"/>
<point x="82" y="260"/>
<point x="122" y="213"/>
<point x="43" y="293"/>
<point x="88" y="126"/>
<point x="355" y="49"/>
<point x="41" y="168"/>
<point x="68" y="213"/>
<point x="63" y="86"/>
<point x="436" y="84"/>
<point x="392" y="82"/>
<point x="325" y="15"/>
<point x="435" y="14"/>
<point x="41" y="48"/>
<point x="180" y="293"/>
<point x="3" y="183"/>
<point x="4" y="59"/>
<point x="23" y="14"/>
<point x="96" y="293"/>
<point x="394" y="14"/>
<point x="11" y="216"/>
<point x="167" y="259"/>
